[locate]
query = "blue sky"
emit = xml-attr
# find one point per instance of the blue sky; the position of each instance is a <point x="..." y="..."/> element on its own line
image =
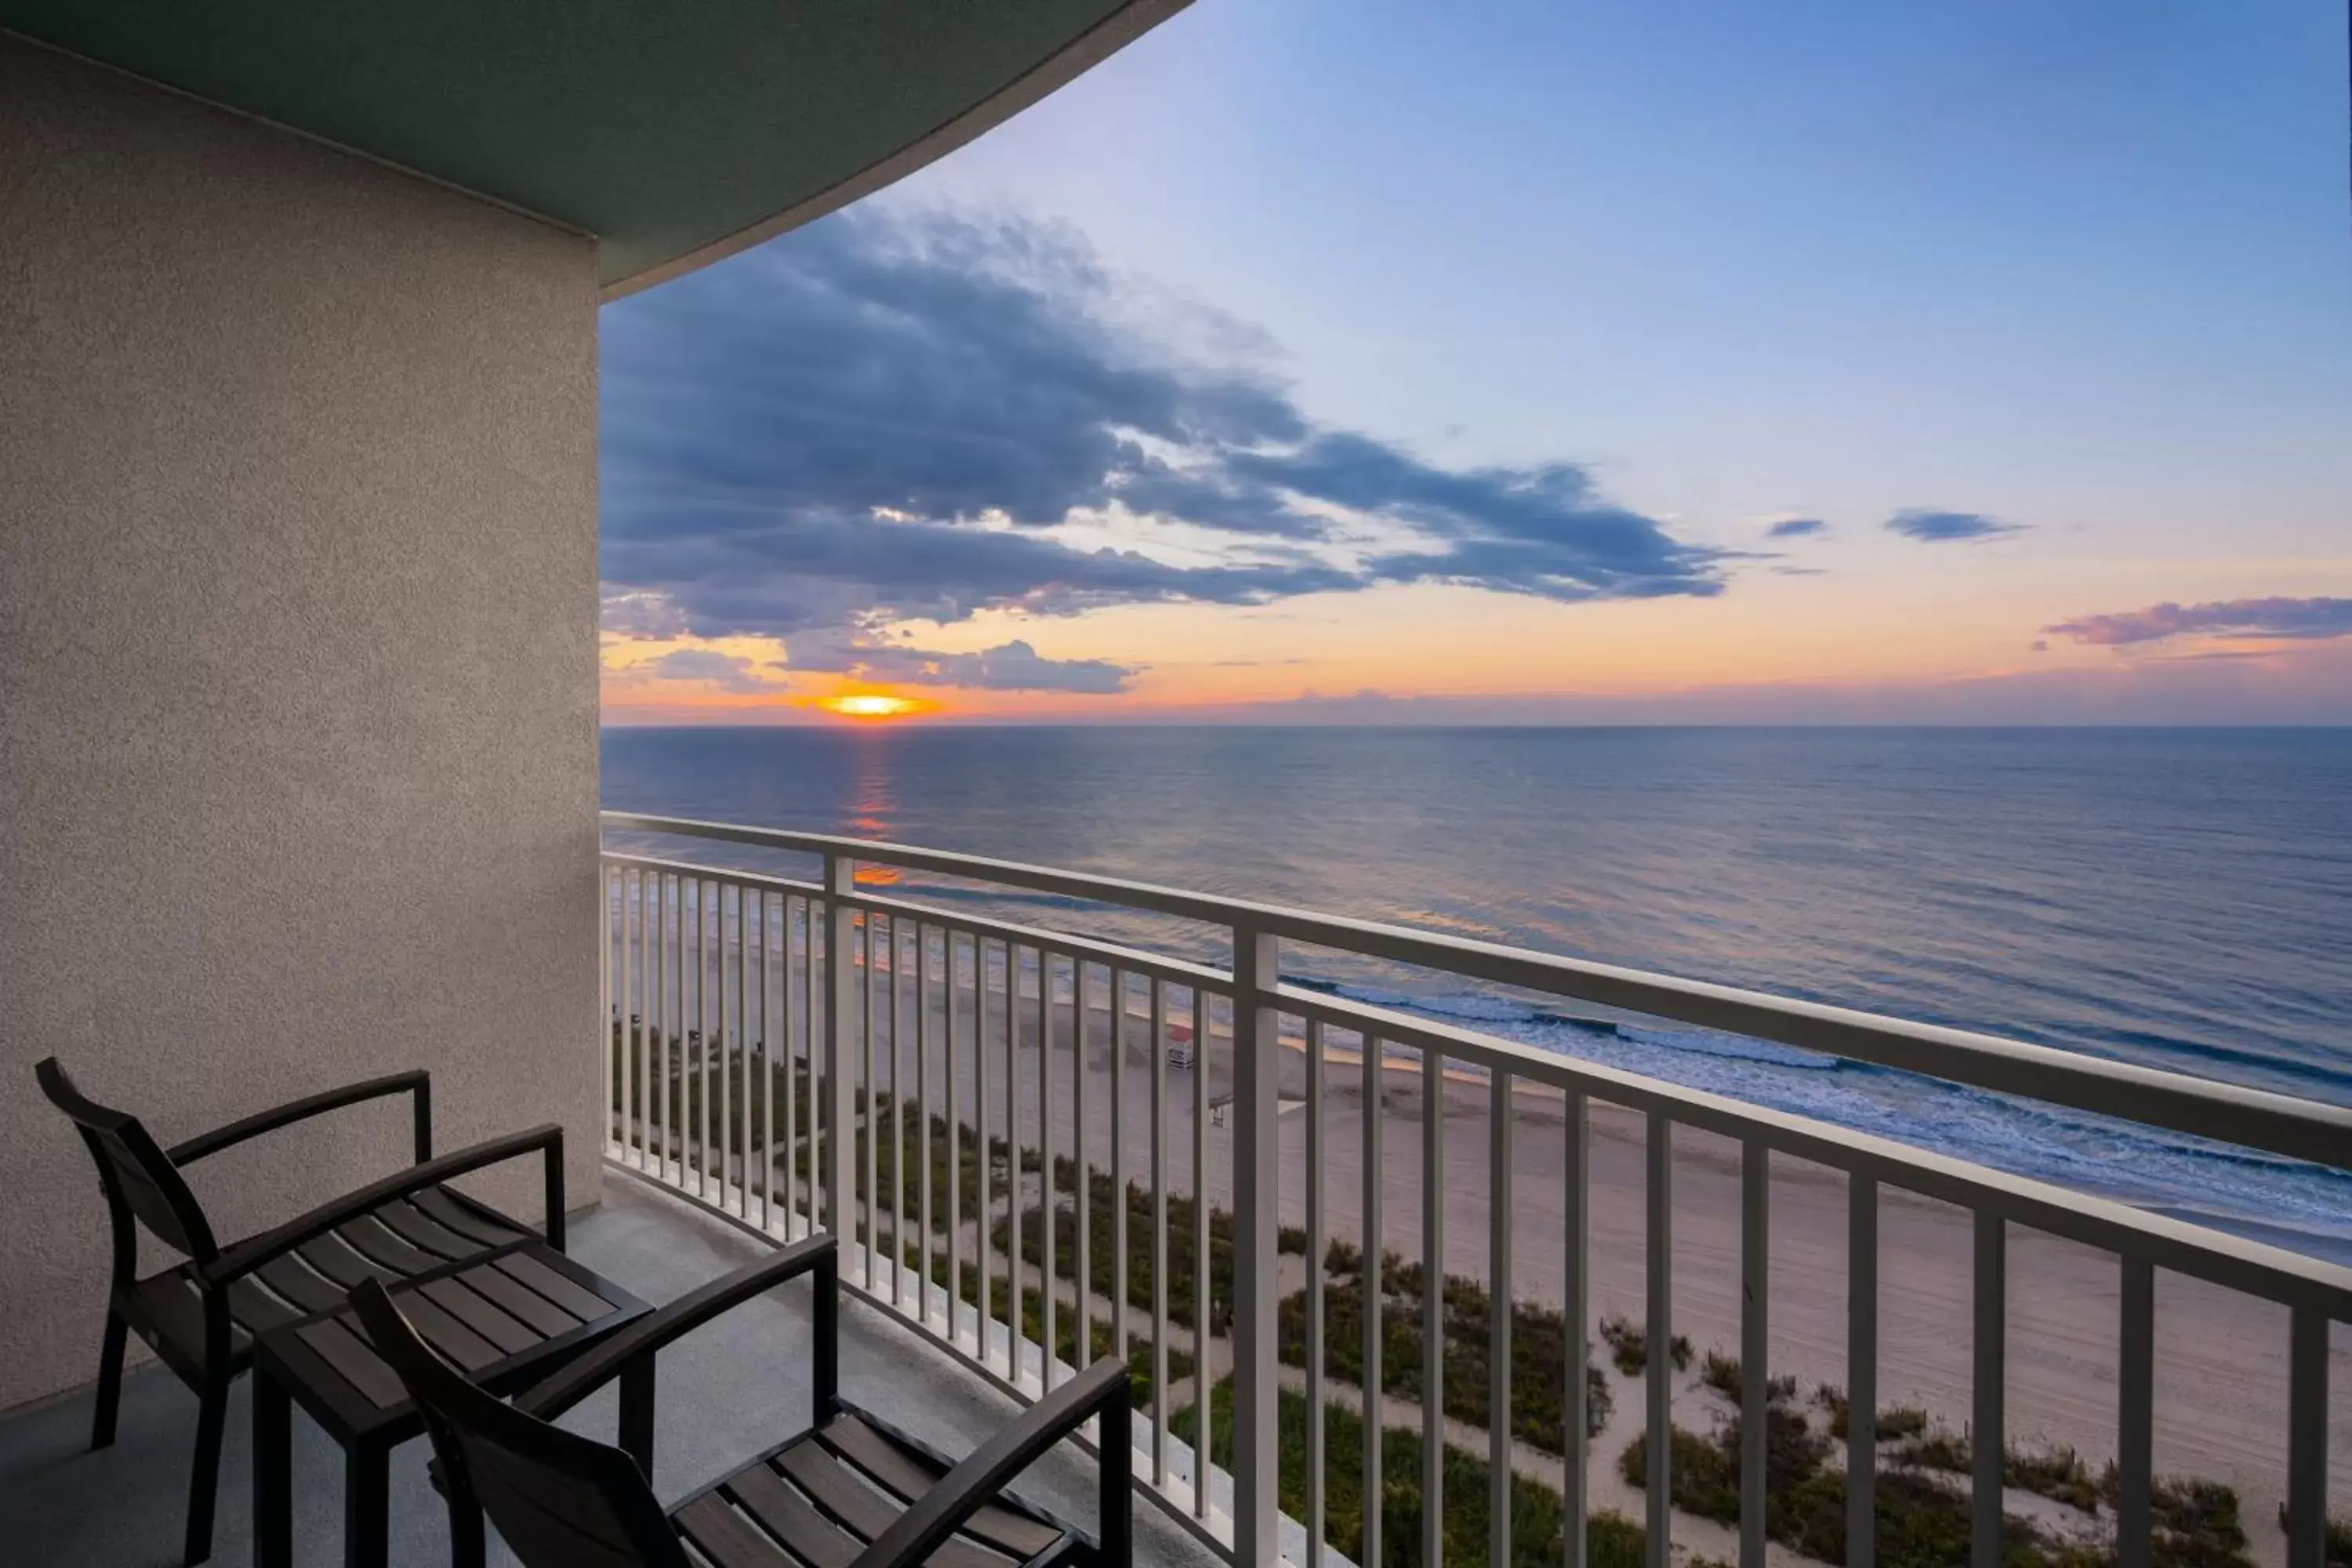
<point x="2080" y="270"/>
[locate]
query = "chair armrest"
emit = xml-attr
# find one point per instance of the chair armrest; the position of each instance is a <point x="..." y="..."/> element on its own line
<point x="1102" y="1389"/>
<point x="417" y="1082"/>
<point x="554" y="1395"/>
<point x="251" y="1254"/>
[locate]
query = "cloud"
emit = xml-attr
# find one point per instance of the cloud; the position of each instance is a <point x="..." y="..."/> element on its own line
<point x="881" y="419"/>
<point x="727" y="672"/>
<point x="1014" y="665"/>
<point x="1796" y="528"/>
<point x="2296" y="619"/>
<point x="639" y="614"/>
<point x="1931" y="527"/>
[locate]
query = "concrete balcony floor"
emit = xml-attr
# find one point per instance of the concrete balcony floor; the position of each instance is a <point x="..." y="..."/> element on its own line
<point x="726" y="1393"/>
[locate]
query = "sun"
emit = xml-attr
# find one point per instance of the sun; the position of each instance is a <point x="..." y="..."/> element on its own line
<point x="873" y="705"/>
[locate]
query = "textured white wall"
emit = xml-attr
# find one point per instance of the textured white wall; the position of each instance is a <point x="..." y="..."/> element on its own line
<point x="297" y="698"/>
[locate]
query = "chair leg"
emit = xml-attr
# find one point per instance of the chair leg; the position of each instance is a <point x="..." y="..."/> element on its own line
<point x="211" y="1415"/>
<point x="110" y="1380"/>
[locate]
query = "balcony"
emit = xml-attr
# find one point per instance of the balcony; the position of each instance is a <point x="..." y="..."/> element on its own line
<point x="1905" y="1304"/>
<point x="2069" y="1368"/>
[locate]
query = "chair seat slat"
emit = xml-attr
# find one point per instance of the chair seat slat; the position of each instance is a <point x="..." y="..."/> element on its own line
<point x="423" y="1231"/>
<point x="256" y="1311"/>
<point x="467" y="1221"/>
<point x="373" y="1240"/>
<point x="335" y="1259"/>
<point x="301" y="1285"/>
<point x="727" y="1538"/>
<point x="866" y="1512"/>
<point x="910" y="1474"/>
<point x="791" y="1518"/>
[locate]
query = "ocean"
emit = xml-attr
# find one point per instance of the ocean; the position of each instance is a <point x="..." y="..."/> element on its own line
<point x="2180" y="899"/>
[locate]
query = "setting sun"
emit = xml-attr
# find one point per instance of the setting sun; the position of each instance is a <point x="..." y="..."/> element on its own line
<point x="872" y="705"/>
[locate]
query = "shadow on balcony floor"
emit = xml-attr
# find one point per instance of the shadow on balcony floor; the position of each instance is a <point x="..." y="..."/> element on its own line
<point x="726" y="1393"/>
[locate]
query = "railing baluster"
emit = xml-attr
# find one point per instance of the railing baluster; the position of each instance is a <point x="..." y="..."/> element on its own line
<point x="1083" y="1347"/>
<point x="769" y="1034"/>
<point x="2306" y="1437"/>
<point x="1017" y="1299"/>
<point x="796" y="1045"/>
<point x="1159" y="1232"/>
<point x="1576" y="1297"/>
<point x="841" y="990"/>
<point x="872" y="1156"/>
<point x="702" y="1096"/>
<point x="1120" y="988"/>
<point x="1987" y="1440"/>
<point x="1658" y="1482"/>
<point x="732" y="1087"/>
<point x="1861" y="1371"/>
<point x="1498" y="1321"/>
<point x="658" y="1018"/>
<point x="1200" y="1060"/>
<point x="612" y="1019"/>
<point x="1755" y="1342"/>
<point x="747" y="1025"/>
<point x="1433" y="1308"/>
<point x="951" y="1016"/>
<point x="923" y="1042"/>
<point x="2136" y="1414"/>
<point x="729" y="1024"/>
<point x="894" y="949"/>
<point x="1371" y="1284"/>
<point x="1257" y="1224"/>
<point x="1315" y="1531"/>
<point x="1049" y="1262"/>
<point x="981" y="1058"/>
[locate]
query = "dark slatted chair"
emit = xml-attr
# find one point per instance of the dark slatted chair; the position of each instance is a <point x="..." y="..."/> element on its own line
<point x="851" y="1492"/>
<point x="200" y="1315"/>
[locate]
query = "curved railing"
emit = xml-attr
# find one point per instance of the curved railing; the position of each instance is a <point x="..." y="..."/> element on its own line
<point x="924" y="1030"/>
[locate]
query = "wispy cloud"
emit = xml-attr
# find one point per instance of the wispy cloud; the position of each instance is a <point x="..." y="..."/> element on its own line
<point x="1796" y="528"/>
<point x="1931" y="527"/>
<point x="879" y="420"/>
<point x="724" y="671"/>
<point x="2296" y="619"/>
<point x="1014" y="665"/>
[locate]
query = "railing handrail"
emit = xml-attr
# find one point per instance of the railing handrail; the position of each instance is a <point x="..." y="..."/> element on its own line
<point x="2181" y="1102"/>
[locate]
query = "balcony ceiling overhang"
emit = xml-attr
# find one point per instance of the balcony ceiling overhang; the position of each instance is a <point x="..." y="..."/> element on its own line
<point x="675" y="133"/>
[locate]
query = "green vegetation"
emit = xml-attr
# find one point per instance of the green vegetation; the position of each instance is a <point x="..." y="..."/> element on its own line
<point x="1539" y="1349"/>
<point x="2197" y="1524"/>
<point x="1629" y="1346"/>
<point x="1721" y="1372"/>
<point x="1538" y="1515"/>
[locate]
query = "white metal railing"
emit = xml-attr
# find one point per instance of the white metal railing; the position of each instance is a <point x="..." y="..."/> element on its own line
<point x="779" y="1011"/>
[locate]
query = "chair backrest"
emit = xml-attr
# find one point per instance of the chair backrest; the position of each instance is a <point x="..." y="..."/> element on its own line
<point x="560" y="1501"/>
<point x="140" y="1182"/>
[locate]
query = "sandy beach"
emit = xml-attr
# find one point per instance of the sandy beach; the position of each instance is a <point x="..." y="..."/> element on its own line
<point x="2221" y="1357"/>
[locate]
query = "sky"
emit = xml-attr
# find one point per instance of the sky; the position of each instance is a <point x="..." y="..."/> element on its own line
<point x="1608" y="361"/>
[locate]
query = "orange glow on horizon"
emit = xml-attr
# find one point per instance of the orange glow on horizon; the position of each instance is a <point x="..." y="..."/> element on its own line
<point x="872" y="706"/>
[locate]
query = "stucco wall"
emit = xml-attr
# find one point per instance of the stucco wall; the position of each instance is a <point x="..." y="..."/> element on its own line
<point x="298" y="703"/>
